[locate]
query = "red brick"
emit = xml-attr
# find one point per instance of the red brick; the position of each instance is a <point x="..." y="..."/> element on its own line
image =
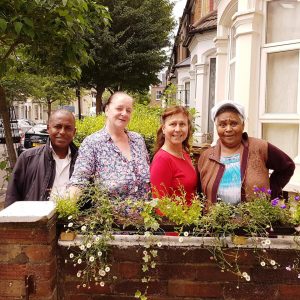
<point x="250" y="291"/>
<point x="289" y="291"/>
<point x="9" y="252"/>
<point x="264" y="275"/>
<point x="12" y="288"/>
<point x="79" y="297"/>
<point x="129" y="287"/>
<point x="38" y="253"/>
<point x="17" y="271"/>
<point x="184" y="288"/>
<point x="71" y="286"/>
<point x="129" y="270"/>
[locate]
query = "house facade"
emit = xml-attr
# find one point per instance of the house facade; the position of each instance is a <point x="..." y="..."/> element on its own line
<point x="251" y="57"/>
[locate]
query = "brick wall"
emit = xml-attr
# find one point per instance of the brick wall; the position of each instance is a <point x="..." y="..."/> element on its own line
<point x="185" y="270"/>
<point x="183" y="273"/>
<point x="28" y="249"/>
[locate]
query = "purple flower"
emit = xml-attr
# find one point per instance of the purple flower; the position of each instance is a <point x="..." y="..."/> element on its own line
<point x="269" y="191"/>
<point x="283" y="206"/>
<point x="256" y="189"/>
<point x="263" y="189"/>
<point x="275" y="201"/>
<point x="297" y="198"/>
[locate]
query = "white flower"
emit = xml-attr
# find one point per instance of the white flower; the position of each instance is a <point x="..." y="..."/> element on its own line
<point x="82" y="247"/>
<point x="186" y="233"/>
<point x="262" y="263"/>
<point x="70" y="224"/>
<point x="102" y="272"/>
<point x="159" y="244"/>
<point x="268" y="242"/>
<point x="153" y="202"/>
<point x="288" y="268"/>
<point x="102" y="283"/>
<point x="99" y="253"/>
<point x="272" y="262"/>
<point x="78" y="274"/>
<point x="180" y="239"/>
<point x="147" y="234"/>
<point x="84" y="285"/>
<point x="71" y="255"/>
<point x="299" y="276"/>
<point x="245" y="274"/>
<point x="70" y="217"/>
<point x="92" y="258"/>
<point x="97" y="239"/>
<point x="145" y="252"/>
<point x="66" y="261"/>
<point x="107" y="269"/>
<point x="247" y="278"/>
<point x="88" y="245"/>
<point x="79" y="261"/>
<point x="83" y="228"/>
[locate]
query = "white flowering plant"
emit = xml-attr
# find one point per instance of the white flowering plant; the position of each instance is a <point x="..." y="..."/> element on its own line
<point x="97" y="224"/>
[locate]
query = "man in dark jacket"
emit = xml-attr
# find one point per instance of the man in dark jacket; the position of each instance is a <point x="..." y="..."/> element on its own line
<point x="43" y="172"/>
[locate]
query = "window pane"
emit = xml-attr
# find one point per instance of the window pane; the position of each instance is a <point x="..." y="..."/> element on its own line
<point x="283" y="136"/>
<point x="283" y="21"/>
<point x="282" y="82"/>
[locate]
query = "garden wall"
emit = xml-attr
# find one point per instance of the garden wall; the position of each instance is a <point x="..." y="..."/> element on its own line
<point x="185" y="270"/>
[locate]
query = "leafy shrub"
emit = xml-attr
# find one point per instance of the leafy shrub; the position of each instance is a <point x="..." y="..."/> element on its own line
<point x="145" y="121"/>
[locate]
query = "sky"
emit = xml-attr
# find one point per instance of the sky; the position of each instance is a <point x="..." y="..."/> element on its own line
<point x="178" y="8"/>
<point x="177" y="11"/>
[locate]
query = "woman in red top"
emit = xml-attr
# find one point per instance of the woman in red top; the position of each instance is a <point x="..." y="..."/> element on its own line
<point x="172" y="172"/>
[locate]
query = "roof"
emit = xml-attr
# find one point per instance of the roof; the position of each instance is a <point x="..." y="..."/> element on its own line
<point x="184" y="63"/>
<point x="206" y="23"/>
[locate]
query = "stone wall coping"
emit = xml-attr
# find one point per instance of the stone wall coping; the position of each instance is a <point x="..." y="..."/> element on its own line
<point x="27" y="211"/>
<point x="123" y="241"/>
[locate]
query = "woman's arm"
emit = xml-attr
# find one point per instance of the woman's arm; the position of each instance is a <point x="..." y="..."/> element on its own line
<point x="283" y="169"/>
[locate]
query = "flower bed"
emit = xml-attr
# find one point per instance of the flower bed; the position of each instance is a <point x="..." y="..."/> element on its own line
<point x="220" y="226"/>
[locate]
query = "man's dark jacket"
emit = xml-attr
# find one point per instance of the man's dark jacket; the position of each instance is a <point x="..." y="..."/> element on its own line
<point x="34" y="174"/>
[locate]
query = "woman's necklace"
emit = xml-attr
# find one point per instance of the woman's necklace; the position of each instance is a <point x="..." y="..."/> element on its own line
<point x="178" y="154"/>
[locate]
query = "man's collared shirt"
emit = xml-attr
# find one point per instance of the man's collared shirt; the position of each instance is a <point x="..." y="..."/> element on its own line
<point x="62" y="173"/>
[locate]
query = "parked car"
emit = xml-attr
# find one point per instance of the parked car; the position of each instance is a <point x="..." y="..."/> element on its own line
<point x="34" y="137"/>
<point x="25" y="124"/>
<point x="15" y="132"/>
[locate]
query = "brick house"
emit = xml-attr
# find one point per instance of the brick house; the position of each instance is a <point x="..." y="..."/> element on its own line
<point x="246" y="51"/>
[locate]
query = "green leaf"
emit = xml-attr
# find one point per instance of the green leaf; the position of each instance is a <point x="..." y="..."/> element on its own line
<point x="18" y="26"/>
<point x="28" y="31"/>
<point x="3" y="24"/>
<point x="28" y="21"/>
<point x="64" y="2"/>
<point x="137" y="294"/>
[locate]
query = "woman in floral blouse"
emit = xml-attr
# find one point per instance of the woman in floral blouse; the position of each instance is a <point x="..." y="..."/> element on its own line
<point x="114" y="157"/>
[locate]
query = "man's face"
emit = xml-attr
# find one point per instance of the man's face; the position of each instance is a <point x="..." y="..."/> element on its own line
<point x="61" y="129"/>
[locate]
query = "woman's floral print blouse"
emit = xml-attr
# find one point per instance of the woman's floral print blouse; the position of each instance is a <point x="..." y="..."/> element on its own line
<point x="99" y="158"/>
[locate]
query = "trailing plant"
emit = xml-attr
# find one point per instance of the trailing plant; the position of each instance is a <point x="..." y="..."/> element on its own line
<point x="223" y="223"/>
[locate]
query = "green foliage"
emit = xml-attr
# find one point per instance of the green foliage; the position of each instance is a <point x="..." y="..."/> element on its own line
<point x="221" y="222"/>
<point x="65" y="208"/>
<point x="179" y="212"/>
<point x="169" y="96"/>
<point x="129" y="54"/>
<point x="145" y="120"/>
<point x="5" y="167"/>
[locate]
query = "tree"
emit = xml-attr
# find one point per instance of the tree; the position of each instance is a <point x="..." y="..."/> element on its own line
<point x="49" y="32"/>
<point x="129" y="54"/>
